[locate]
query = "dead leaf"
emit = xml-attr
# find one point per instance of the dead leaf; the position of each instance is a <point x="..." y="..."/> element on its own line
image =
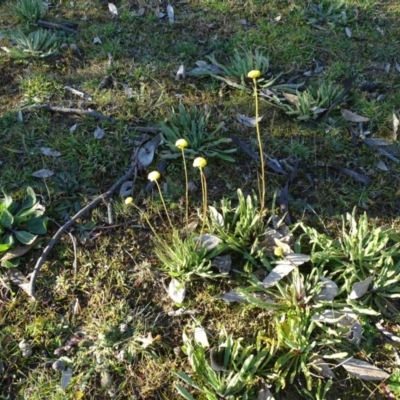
<point x="19" y="251"/>
<point x="352" y="117"/>
<point x="277" y="274"/>
<point x="47" y="151"/>
<point x="348" y="32"/>
<point x="97" y="40"/>
<point x="322" y="367"/>
<point x="66" y="377"/>
<point x="397" y="66"/>
<point x="360" y="288"/>
<point x="387" y="67"/>
<point x="208" y="241"/>
<point x="382" y="166"/>
<point x="181" y="73"/>
<point x="222" y="263"/>
<point x="20" y="118"/>
<point x="146" y="152"/>
<point x="363" y="370"/>
<point x="43" y="173"/>
<point x="113" y="9"/>
<point x="99" y="133"/>
<point x="171" y="14"/>
<point x="328" y="292"/>
<point x="19" y="279"/>
<point x="73" y="128"/>
<point x="292" y="98"/>
<point x="248" y="121"/>
<point x="147" y="341"/>
<point x="176" y="291"/>
<point x="232" y="297"/>
<point x="200" y="337"/>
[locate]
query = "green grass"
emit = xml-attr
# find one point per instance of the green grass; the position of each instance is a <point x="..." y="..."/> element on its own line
<point x="118" y="295"/>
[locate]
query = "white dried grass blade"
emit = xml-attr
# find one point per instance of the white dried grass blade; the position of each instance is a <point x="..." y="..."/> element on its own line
<point x="387" y="67"/>
<point x="200" y="336"/>
<point x="248" y="121"/>
<point x="360" y="288"/>
<point x="348" y="32"/>
<point x="20" y="118"/>
<point x="66" y="377"/>
<point x="208" y="241"/>
<point x="363" y="370"/>
<point x="177" y="291"/>
<point x="99" y="133"/>
<point x="216" y="216"/>
<point x="328" y="292"/>
<point x="43" y="173"/>
<point x="171" y="14"/>
<point x="97" y="40"/>
<point x="352" y="117"/>
<point x="47" y="151"/>
<point x="395" y="126"/>
<point x="277" y="274"/>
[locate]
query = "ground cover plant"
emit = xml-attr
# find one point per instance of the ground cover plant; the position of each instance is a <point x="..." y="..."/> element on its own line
<point x="199" y="200"/>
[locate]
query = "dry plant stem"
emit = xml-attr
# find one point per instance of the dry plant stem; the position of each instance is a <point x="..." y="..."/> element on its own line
<point x="165" y="207"/>
<point x="186" y="189"/>
<point x="131" y="171"/>
<point x="46" y="24"/>
<point x="261" y="151"/>
<point x="90" y="113"/>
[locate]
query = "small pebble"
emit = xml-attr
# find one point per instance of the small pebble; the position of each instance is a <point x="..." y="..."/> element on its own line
<point x="58" y="365"/>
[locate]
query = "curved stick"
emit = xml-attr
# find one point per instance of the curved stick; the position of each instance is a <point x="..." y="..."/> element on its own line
<point x="131" y="171"/>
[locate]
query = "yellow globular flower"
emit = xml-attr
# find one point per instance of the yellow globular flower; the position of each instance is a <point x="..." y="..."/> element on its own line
<point x="199" y="162"/>
<point x="128" y="200"/>
<point x="153" y="176"/>
<point x="181" y="143"/>
<point x="254" y="74"/>
<point x="278" y="251"/>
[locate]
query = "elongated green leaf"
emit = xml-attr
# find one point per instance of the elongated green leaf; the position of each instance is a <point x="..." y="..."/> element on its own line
<point x="25" y="237"/>
<point x="6" y="219"/>
<point x="184" y="393"/>
<point x="37" y="226"/>
<point x="4" y="247"/>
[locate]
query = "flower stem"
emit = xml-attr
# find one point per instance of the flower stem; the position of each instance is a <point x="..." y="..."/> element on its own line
<point x="187" y="188"/>
<point x="204" y="189"/>
<point x="261" y="151"/>
<point x="165" y="207"/>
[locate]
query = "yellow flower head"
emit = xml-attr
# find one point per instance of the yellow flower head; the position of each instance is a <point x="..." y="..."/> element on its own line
<point x="254" y="74"/>
<point x="128" y="200"/>
<point x="181" y="143"/>
<point x="154" y="176"/>
<point x="278" y="251"/>
<point x="199" y="162"/>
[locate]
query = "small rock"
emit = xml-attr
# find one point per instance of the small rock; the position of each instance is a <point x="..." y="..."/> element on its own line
<point x="123" y="328"/>
<point x="58" y="365"/>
